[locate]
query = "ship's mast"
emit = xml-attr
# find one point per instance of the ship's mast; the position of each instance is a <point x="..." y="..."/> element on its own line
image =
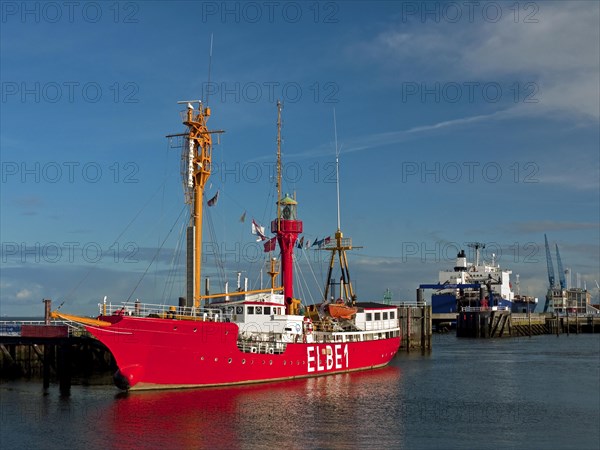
<point x="337" y="170"/>
<point x="476" y="246"/>
<point x="341" y="243"/>
<point x="200" y="142"/>
<point x="287" y="227"/>
<point x="197" y="157"/>
<point x="279" y="107"/>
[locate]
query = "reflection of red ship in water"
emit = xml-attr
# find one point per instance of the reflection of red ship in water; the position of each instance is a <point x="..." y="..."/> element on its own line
<point x="233" y="417"/>
<point x="245" y="336"/>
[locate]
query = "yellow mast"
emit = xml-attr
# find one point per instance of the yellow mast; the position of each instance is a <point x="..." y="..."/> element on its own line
<point x="199" y="159"/>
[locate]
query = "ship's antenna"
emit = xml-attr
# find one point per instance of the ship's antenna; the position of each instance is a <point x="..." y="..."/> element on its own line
<point x="209" y="67"/>
<point x="337" y="170"/>
<point x="279" y="107"/>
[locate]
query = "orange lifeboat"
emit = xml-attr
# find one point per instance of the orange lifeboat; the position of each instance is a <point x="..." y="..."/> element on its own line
<point x="339" y="310"/>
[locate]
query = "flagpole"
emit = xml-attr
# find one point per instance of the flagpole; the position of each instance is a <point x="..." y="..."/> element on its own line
<point x="279" y="106"/>
<point x="337" y="170"/>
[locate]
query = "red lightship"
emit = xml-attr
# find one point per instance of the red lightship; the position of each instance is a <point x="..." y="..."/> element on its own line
<point x="244" y="336"/>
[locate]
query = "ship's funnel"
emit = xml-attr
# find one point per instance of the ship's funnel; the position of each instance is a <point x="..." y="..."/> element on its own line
<point x="461" y="262"/>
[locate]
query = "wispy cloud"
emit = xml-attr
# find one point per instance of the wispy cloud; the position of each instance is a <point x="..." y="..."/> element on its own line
<point x="560" y="53"/>
<point x="541" y="226"/>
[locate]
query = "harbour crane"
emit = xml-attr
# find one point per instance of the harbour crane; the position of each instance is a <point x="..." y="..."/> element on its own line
<point x="551" y="278"/>
<point x="561" y="272"/>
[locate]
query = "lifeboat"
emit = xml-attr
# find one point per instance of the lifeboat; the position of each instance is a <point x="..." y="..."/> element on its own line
<point x="339" y="310"/>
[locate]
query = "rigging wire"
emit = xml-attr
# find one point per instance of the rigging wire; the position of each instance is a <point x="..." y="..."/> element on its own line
<point x="321" y="292"/>
<point x="175" y="262"/>
<point x="95" y="266"/>
<point x="213" y="237"/>
<point x="156" y="253"/>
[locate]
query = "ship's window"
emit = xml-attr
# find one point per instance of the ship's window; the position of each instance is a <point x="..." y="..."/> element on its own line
<point x="250" y="309"/>
<point x="267" y="310"/>
<point x="259" y="310"/>
<point x="377" y="316"/>
<point x="369" y="316"/>
<point x="243" y="361"/>
<point x="385" y="316"/>
<point x="239" y="310"/>
<point x="392" y="314"/>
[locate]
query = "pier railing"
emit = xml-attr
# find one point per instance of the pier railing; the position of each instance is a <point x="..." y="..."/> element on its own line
<point x="15" y="327"/>
<point x="138" y="309"/>
<point x="480" y="308"/>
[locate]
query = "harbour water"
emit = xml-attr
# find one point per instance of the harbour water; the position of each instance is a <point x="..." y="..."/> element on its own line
<point x="539" y="392"/>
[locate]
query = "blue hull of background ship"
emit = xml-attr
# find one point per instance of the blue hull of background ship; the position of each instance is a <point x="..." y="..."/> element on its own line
<point x="445" y="303"/>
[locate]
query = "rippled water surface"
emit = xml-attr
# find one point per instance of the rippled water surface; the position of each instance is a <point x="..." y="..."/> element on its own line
<point x="542" y="392"/>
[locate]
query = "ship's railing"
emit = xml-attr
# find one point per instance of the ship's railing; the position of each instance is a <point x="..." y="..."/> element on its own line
<point x="345" y="242"/>
<point x="269" y="348"/>
<point x="484" y="308"/>
<point x="410" y="303"/>
<point x="138" y="309"/>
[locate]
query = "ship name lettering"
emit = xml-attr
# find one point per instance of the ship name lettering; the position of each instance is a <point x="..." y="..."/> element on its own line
<point x="322" y="358"/>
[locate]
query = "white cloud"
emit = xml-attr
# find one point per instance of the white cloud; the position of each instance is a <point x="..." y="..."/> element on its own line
<point x="24" y="294"/>
<point x="559" y="53"/>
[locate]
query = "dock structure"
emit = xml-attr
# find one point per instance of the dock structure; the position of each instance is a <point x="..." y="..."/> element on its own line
<point x="51" y="352"/>
<point x="416" y="326"/>
<point x="486" y="323"/>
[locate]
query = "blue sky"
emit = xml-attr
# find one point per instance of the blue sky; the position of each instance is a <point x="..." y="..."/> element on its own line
<point x="457" y="122"/>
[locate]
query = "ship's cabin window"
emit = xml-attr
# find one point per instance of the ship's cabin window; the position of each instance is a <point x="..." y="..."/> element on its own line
<point x="377" y="316"/>
<point x="267" y="310"/>
<point x="385" y="316"/>
<point x="369" y="316"/>
<point x="239" y="310"/>
<point x="258" y="310"/>
<point x="392" y="314"/>
<point x="250" y="309"/>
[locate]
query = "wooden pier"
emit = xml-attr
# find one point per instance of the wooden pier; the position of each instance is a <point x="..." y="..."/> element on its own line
<point x="51" y="354"/>
<point x="415" y="326"/>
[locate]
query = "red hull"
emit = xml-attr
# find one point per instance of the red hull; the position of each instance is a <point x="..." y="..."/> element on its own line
<point x="161" y="353"/>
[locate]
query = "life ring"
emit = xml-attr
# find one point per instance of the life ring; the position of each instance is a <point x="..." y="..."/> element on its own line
<point x="308" y="325"/>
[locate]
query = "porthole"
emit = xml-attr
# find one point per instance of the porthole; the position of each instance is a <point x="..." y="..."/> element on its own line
<point x="174" y="328"/>
<point x="229" y="360"/>
<point x="216" y="359"/>
<point x="195" y="329"/>
<point x="202" y="358"/>
<point x="284" y="362"/>
<point x="270" y="362"/>
<point x="243" y="361"/>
